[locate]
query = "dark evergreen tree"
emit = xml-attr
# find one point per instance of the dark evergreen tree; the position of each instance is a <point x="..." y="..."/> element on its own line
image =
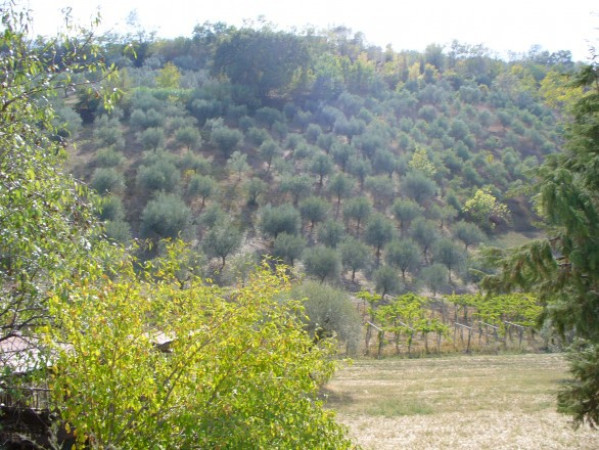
<point x="562" y="268"/>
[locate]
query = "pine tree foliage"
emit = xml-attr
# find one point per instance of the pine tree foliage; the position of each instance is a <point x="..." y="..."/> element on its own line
<point x="563" y="268"/>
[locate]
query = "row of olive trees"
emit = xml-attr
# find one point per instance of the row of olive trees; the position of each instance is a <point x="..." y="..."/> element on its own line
<point x="242" y="371"/>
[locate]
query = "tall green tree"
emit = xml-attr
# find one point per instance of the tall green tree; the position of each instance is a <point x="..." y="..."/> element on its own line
<point x="288" y="247"/>
<point x="264" y="61"/>
<point x="562" y="268"/>
<point x="321" y="166"/>
<point x="48" y="230"/>
<point x="340" y="186"/>
<point x="225" y="139"/>
<point x="166" y="216"/>
<point x="330" y="233"/>
<point x="405" y="211"/>
<point x="448" y="253"/>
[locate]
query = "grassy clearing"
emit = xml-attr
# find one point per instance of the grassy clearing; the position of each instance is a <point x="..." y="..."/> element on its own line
<point x="457" y="402"/>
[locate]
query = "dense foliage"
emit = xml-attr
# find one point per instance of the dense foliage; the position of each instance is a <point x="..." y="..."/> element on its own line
<point x="318" y="137"/>
<point x="236" y="370"/>
<point x="379" y="171"/>
<point x="46" y="217"/>
<point x="134" y="355"/>
<point x="563" y="267"/>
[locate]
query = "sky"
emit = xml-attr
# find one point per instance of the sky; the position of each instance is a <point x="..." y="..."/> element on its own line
<point x="502" y="26"/>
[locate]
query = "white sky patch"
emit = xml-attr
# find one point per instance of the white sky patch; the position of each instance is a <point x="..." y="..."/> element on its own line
<point x="510" y="25"/>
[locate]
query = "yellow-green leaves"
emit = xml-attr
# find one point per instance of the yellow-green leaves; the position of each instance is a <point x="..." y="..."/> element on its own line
<point x="149" y="362"/>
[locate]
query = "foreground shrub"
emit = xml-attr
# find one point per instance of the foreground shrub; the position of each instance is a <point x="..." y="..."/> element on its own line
<point x="240" y="371"/>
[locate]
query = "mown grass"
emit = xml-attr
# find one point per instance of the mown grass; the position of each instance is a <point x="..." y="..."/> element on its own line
<point x="457" y="402"/>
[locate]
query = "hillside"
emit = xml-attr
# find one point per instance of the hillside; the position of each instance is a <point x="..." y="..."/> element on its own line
<point x="367" y="167"/>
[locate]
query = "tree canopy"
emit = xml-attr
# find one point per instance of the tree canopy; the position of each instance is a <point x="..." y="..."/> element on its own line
<point x="239" y="370"/>
<point x="562" y="268"/>
<point x="237" y="373"/>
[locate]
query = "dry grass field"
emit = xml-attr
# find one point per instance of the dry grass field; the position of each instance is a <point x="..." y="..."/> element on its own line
<point x="456" y="402"/>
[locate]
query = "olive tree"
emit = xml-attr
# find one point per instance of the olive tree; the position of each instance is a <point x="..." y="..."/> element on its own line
<point x="322" y="263"/>
<point x="330" y="313"/>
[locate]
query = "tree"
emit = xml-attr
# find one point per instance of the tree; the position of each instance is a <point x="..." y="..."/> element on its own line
<point x="152" y="138"/>
<point x="405" y="255"/>
<point x="342" y="153"/>
<point x="420" y="162"/>
<point x="486" y="210"/>
<point x="381" y="189"/>
<point x="223" y="239"/>
<point x="321" y="165"/>
<point x="405" y="211"/>
<point x="468" y="233"/>
<point x="201" y="186"/>
<point x="447" y="252"/>
<point x="322" y="263"/>
<point x="237" y="164"/>
<point x="48" y="230"/>
<point x="357" y="209"/>
<point x="166" y="216"/>
<point x="314" y="210"/>
<point x="161" y="175"/>
<point x="240" y="371"/>
<point x="264" y="61"/>
<point x="297" y="185"/>
<point x="288" y="247"/>
<point x="330" y="233"/>
<point x="418" y="187"/>
<point x="354" y="255"/>
<point x="425" y="233"/>
<point x="107" y="180"/>
<point x="188" y="136"/>
<point x="384" y="161"/>
<point x="111" y="208"/>
<point x="379" y="231"/>
<point x="109" y="157"/>
<point x="562" y="268"/>
<point x="359" y="167"/>
<point x="168" y="77"/>
<point x="254" y="188"/>
<point x="329" y="312"/>
<point x="386" y="281"/>
<point x="279" y="219"/>
<point x="340" y="186"/>
<point x="268" y="150"/>
<point x="225" y="139"/>
<point x="435" y="277"/>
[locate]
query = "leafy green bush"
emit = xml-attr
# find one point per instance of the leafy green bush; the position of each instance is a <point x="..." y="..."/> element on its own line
<point x="329" y="313"/>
